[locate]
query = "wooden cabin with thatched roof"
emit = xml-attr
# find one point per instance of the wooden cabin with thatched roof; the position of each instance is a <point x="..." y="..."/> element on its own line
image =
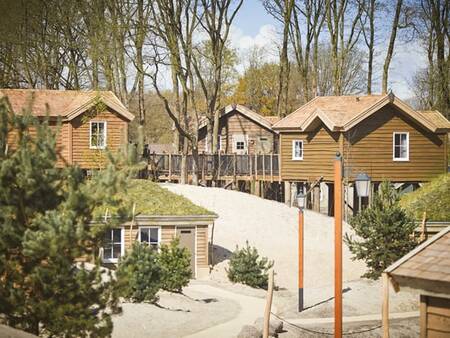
<point x="379" y="135"/>
<point x="91" y="121"/>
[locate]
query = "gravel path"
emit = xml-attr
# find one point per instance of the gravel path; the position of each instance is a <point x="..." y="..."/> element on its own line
<point x="272" y="228"/>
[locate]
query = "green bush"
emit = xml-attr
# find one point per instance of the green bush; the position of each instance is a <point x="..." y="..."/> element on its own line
<point x="139" y="274"/>
<point x="383" y="232"/>
<point x="248" y="268"/>
<point x="432" y="197"/>
<point x="175" y="263"/>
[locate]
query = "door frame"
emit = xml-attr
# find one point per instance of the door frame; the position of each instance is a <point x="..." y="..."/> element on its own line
<point x="194" y="227"/>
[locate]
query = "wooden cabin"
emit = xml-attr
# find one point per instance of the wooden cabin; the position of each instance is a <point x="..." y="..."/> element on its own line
<point x="379" y="135"/>
<point x="160" y="216"/>
<point x="426" y="269"/>
<point x="91" y="121"/>
<point x="241" y="131"/>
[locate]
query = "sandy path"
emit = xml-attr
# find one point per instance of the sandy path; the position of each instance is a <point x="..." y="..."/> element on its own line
<point x="250" y="309"/>
<point x="272" y="228"/>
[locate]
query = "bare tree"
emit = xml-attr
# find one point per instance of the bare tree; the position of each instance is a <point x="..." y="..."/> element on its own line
<point x="390" y="51"/>
<point x="368" y="30"/>
<point x="342" y="42"/>
<point x="282" y="11"/>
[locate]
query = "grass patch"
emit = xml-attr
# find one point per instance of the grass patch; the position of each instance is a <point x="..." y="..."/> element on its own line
<point x="152" y="200"/>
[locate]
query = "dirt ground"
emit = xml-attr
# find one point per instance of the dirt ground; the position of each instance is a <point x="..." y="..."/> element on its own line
<point x="216" y="308"/>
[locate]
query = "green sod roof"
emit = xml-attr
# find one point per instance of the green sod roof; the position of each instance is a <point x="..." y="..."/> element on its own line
<point x="151" y="200"/>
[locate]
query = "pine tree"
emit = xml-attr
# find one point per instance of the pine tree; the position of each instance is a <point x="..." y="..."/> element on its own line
<point x="45" y="216"/>
<point x="248" y="268"/>
<point x="383" y="232"/>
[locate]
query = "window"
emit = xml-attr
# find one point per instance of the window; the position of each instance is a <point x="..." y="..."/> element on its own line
<point x="113" y="245"/>
<point x="149" y="236"/>
<point x="97" y="135"/>
<point x="240" y="145"/>
<point x="401" y="146"/>
<point x="297" y="150"/>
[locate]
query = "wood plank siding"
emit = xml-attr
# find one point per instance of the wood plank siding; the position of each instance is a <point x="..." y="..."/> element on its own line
<point x="319" y="151"/>
<point x="435" y="317"/>
<point x="368" y="147"/>
<point x="237" y="124"/>
<point x="116" y="134"/>
<point x="202" y="246"/>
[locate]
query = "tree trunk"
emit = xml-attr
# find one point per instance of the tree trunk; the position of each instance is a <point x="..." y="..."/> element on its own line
<point x="390" y="50"/>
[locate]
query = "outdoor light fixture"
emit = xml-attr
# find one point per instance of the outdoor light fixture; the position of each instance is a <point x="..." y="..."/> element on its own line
<point x="362" y="183"/>
<point x="301" y="200"/>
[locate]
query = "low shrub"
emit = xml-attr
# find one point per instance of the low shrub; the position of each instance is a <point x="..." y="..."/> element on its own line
<point x="139" y="274"/>
<point x="248" y="268"/>
<point x="433" y="197"/>
<point x="175" y="263"/>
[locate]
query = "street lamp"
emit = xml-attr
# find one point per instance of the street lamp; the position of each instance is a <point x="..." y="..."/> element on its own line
<point x="301" y="203"/>
<point x="362" y="183"/>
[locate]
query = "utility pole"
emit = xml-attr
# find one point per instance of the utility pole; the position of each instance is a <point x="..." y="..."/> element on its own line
<point x="338" y="246"/>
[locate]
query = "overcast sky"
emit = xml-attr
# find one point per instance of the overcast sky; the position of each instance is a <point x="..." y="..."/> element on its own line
<point x="253" y="26"/>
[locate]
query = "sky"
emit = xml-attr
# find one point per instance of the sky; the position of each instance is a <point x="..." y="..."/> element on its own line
<point x="254" y="27"/>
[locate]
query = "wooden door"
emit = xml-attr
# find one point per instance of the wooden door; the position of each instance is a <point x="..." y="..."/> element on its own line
<point x="187" y="240"/>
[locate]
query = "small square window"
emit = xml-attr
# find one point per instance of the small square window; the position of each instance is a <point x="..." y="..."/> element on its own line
<point x="240" y="145"/>
<point x="150" y="236"/>
<point x="401" y="146"/>
<point x="97" y="135"/>
<point x="297" y="150"/>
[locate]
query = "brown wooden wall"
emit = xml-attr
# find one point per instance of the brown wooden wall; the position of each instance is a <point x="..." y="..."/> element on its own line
<point x="117" y="128"/>
<point x="368" y="148"/>
<point x="434" y="317"/>
<point x="61" y="148"/>
<point x="320" y="147"/>
<point x="72" y="140"/>
<point x="168" y="232"/>
<point x="236" y="123"/>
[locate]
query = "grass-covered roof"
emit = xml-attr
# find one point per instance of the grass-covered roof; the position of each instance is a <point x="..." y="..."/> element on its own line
<point x="153" y="200"/>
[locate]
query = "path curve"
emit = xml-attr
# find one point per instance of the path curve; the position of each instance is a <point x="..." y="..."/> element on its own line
<point x="251" y="309"/>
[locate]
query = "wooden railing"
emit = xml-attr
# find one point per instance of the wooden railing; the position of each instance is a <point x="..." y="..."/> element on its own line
<point x="260" y="166"/>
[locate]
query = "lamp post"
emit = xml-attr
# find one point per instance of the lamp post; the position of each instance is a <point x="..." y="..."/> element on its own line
<point x="362" y="184"/>
<point x="338" y="246"/>
<point x="301" y="202"/>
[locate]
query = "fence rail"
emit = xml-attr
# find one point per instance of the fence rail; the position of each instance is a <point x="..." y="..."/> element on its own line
<point x="259" y="166"/>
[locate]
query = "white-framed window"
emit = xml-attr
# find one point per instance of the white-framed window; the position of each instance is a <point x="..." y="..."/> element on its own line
<point x="297" y="150"/>
<point x="240" y="145"/>
<point x="113" y="246"/>
<point x="400" y="146"/>
<point x="150" y="235"/>
<point x="97" y="134"/>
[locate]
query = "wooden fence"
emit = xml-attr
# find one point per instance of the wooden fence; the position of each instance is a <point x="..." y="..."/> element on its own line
<point x="224" y="166"/>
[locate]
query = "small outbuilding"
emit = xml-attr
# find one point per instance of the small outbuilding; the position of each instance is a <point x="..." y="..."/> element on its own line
<point x="160" y="216"/>
<point x="426" y="269"/>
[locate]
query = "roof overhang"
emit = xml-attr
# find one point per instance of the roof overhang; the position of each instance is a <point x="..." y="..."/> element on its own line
<point x="116" y="106"/>
<point x="255" y="117"/>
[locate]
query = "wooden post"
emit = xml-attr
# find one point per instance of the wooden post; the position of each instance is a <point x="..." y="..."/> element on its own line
<point x="268" y="306"/>
<point x="170" y="167"/>
<point x="316" y="197"/>
<point x="203" y="167"/>
<point x="424" y="227"/>
<point x="271" y="167"/>
<point x="218" y="167"/>
<point x="338" y="246"/>
<point x="234" y="170"/>
<point x="264" y="166"/>
<point x="287" y="193"/>
<point x="300" y="258"/>
<point x="279" y="167"/>
<point x="385" y="309"/>
<point x="250" y="164"/>
<point x="423" y="316"/>
<point x="256" y="166"/>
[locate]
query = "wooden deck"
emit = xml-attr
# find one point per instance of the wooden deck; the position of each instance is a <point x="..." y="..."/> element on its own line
<point x="224" y="167"/>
